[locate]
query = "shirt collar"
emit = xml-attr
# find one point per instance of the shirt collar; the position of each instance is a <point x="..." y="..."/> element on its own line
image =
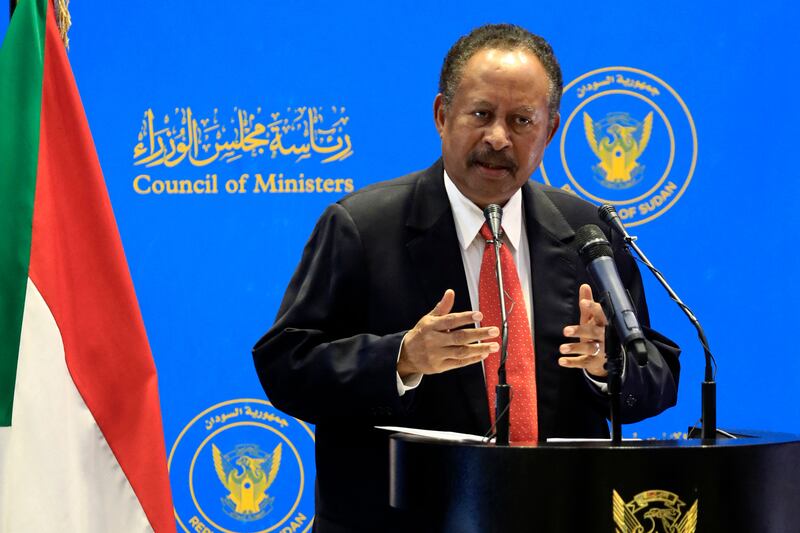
<point x="469" y="217"/>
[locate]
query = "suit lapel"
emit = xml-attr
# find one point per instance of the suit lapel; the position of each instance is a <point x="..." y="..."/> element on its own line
<point x="555" y="293"/>
<point x="435" y="257"/>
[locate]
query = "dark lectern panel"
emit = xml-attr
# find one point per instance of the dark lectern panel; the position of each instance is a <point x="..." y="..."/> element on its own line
<point x="742" y="485"/>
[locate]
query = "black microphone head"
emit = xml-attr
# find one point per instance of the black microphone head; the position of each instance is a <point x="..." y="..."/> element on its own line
<point x="607" y="213"/>
<point x="494" y="218"/>
<point x="591" y="243"/>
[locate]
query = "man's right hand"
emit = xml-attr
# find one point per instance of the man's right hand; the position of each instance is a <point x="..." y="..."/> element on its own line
<point x="436" y="344"/>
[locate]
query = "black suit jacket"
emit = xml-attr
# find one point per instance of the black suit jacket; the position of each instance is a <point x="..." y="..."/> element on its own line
<point x="377" y="261"/>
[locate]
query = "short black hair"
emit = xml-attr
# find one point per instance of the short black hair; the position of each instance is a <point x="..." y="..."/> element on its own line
<point x="502" y="37"/>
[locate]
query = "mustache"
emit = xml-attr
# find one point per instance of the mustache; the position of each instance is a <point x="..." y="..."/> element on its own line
<point x="493" y="158"/>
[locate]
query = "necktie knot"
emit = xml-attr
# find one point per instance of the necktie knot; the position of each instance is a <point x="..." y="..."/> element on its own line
<point x="486" y="233"/>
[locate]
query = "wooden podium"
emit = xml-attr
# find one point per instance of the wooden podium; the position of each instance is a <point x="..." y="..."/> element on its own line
<point x="749" y="485"/>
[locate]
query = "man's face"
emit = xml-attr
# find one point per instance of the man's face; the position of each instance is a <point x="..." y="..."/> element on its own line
<point x="497" y="126"/>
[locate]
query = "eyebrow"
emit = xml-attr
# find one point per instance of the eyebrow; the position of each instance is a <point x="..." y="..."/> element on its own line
<point x="483" y="103"/>
<point x="528" y="109"/>
<point x="532" y="110"/>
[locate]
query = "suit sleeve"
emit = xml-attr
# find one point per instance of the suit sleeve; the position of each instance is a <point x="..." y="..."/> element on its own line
<point x="317" y="362"/>
<point x="648" y="390"/>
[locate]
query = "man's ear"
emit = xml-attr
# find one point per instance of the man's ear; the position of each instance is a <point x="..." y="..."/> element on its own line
<point x="556" y="122"/>
<point x="438" y="113"/>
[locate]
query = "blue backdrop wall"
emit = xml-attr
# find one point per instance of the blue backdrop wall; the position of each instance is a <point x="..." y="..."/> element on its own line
<point x="238" y="98"/>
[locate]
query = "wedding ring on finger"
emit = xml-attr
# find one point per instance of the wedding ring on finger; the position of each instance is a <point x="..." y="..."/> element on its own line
<point x="596" y="349"/>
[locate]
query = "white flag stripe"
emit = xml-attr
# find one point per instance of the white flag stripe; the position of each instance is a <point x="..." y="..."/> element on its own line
<point x="58" y="471"/>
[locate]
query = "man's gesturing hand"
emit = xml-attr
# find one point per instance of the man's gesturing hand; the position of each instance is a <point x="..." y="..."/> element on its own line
<point x="590" y="352"/>
<point x="436" y="344"/>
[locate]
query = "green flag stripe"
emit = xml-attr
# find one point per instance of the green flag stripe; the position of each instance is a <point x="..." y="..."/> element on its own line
<point x="21" y="68"/>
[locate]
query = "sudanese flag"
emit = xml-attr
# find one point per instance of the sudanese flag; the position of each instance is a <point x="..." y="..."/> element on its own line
<point x="81" y="440"/>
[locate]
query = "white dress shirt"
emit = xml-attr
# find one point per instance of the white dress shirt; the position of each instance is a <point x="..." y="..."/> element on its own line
<point x="469" y="219"/>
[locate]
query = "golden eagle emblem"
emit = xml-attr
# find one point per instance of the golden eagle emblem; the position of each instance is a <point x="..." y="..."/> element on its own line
<point x="623" y="140"/>
<point x="247" y="473"/>
<point x="659" y="509"/>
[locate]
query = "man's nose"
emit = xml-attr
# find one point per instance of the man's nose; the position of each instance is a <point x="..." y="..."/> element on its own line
<point x="497" y="136"/>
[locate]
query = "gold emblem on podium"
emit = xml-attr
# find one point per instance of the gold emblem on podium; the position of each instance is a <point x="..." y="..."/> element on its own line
<point x="653" y="511"/>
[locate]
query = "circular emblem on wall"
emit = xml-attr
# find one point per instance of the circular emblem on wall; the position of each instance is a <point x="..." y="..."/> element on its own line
<point x="627" y="139"/>
<point x="242" y="466"/>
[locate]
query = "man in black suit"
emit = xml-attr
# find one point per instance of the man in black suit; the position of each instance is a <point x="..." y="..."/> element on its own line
<point x="371" y="329"/>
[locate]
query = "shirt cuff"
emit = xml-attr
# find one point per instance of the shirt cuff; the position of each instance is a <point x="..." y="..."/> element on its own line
<point x="602" y="386"/>
<point x="411" y="381"/>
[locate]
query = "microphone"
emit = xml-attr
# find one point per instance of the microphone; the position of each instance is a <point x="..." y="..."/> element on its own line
<point x="709" y="395"/>
<point x="494" y="217"/>
<point x="595" y="252"/>
<point x="609" y="215"/>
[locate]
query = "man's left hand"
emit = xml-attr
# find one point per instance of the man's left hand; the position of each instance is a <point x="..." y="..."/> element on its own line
<point x="590" y="352"/>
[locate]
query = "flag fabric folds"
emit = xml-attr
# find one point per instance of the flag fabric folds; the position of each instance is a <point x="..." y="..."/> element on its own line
<point x="81" y="439"/>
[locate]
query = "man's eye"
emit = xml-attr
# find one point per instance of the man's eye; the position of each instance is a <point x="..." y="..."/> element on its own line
<point x="480" y="114"/>
<point x="524" y="121"/>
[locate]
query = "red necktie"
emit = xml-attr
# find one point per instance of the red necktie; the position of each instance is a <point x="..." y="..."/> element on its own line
<point x="520" y="365"/>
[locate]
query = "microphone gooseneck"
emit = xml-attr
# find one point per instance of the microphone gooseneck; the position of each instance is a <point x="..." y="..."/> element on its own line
<point x="494" y="219"/>
<point x="709" y="408"/>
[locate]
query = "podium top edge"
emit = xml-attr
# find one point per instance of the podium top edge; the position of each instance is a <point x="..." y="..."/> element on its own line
<point x="743" y="438"/>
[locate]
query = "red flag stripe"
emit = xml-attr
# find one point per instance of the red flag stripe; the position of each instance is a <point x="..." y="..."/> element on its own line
<point x="78" y="264"/>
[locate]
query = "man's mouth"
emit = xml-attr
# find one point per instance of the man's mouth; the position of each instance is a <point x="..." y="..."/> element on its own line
<point x="493" y="166"/>
<point x="496" y="163"/>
